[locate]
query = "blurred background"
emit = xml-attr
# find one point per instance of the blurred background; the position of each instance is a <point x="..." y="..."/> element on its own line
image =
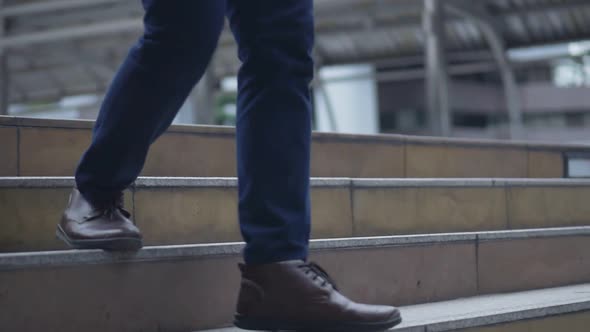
<point x="506" y="69"/>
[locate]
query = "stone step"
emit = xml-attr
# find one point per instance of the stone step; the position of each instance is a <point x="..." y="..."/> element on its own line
<point x="41" y="147"/>
<point x="546" y="310"/>
<point x="193" y="287"/>
<point x="204" y="210"/>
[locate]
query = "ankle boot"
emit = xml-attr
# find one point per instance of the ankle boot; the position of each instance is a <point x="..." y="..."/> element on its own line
<point x="300" y="296"/>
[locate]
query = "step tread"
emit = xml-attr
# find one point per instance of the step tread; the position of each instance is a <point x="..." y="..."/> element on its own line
<point x="21" y="260"/>
<point x="341" y="207"/>
<point x="13" y="121"/>
<point x="489" y="309"/>
<point x="143" y="182"/>
<point x="179" y="153"/>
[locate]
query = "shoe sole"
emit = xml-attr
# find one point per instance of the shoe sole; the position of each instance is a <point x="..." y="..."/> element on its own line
<point x="269" y="325"/>
<point x="110" y="244"/>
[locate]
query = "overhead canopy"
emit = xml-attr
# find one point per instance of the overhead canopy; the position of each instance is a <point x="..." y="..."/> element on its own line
<point x="66" y="47"/>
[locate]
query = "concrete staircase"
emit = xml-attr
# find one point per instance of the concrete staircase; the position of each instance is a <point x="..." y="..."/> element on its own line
<point x="203" y="210"/>
<point x="180" y="288"/>
<point x="397" y="220"/>
<point x="34" y="147"/>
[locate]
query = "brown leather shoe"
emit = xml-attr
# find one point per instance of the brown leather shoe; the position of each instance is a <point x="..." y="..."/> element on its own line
<point x="300" y="296"/>
<point x="85" y="225"/>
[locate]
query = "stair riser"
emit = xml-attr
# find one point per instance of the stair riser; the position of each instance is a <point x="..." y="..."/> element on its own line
<point x="509" y="265"/>
<point x="193" y="293"/>
<point x="196" y="212"/>
<point x="53" y="148"/>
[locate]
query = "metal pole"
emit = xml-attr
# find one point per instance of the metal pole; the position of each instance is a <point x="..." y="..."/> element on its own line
<point x="512" y="93"/>
<point x="437" y="87"/>
<point x="498" y="47"/>
<point x="3" y="69"/>
<point x="52" y="35"/>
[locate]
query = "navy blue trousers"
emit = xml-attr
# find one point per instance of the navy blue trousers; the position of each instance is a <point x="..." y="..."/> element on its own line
<point x="275" y="40"/>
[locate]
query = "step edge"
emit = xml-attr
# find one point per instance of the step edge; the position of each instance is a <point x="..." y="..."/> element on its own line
<point x="14" y="121"/>
<point x="317" y="182"/>
<point x="23" y="260"/>
<point x="514" y="234"/>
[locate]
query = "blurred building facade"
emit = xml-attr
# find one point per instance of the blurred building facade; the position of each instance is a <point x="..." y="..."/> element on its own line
<point x="508" y="69"/>
<point x="553" y="88"/>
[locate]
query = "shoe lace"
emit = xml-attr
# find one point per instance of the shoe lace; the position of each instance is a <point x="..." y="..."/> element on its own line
<point x="108" y="208"/>
<point x="315" y="271"/>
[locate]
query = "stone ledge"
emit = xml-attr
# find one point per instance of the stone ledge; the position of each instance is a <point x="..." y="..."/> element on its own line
<point x="9" y="261"/>
<point x="167" y="182"/>
<point x="320" y="136"/>
<point x="154" y="182"/>
<point x="524" y="182"/>
<point x="422" y="182"/>
<point x="162" y="182"/>
<point x="534" y="233"/>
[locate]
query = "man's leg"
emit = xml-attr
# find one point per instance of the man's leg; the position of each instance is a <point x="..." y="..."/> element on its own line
<point x="159" y="72"/>
<point x="280" y="290"/>
<point x="275" y="41"/>
<point x="150" y="87"/>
